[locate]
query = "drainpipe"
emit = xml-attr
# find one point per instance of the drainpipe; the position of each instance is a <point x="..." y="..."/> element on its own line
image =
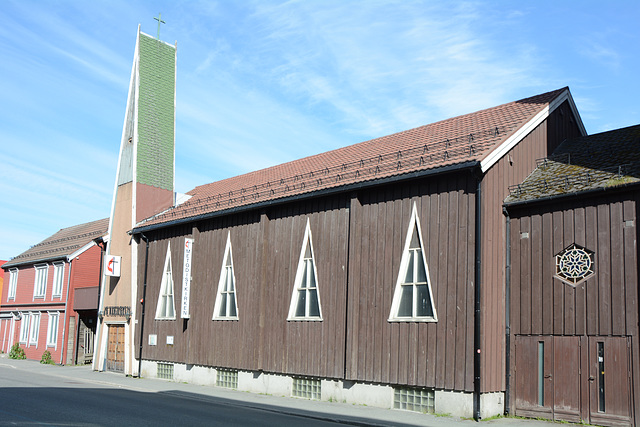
<point x="99" y="241"/>
<point x="66" y="313"/>
<point x="143" y="301"/>
<point x="476" y="320"/>
<point x="507" y="315"/>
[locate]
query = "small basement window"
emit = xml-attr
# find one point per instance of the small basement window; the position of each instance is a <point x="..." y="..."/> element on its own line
<point x="165" y="371"/>
<point x="306" y="388"/>
<point x="227" y="378"/>
<point x="414" y="399"/>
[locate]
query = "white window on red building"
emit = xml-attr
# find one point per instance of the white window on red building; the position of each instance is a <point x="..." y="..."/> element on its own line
<point x="58" y="278"/>
<point x="24" y="328"/>
<point x="13" y="283"/>
<point x="34" y="329"/>
<point x="40" y="283"/>
<point x="52" y="330"/>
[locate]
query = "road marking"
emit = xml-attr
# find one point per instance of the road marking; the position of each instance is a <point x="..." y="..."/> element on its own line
<point x="10" y="366"/>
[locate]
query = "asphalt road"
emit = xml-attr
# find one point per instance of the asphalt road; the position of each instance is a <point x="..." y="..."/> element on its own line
<point x="36" y="399"/>
<point x="33" y="394"/>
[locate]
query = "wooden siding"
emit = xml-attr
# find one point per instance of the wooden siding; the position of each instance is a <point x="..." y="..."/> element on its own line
<point x="266" y="248"/>
<point x="358" y="243"/>
<point x="512" y="169"/>
<point x="436" y="354"/>
<point x="606" y="304"/>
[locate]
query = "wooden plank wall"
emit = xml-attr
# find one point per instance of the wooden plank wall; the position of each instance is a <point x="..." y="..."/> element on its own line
<point x="512" y="169"/>
<point x="422" y="354"/>
<point x="606" y="303"/>
<point x="266" y="248"/>
<point x="358" y="242"/>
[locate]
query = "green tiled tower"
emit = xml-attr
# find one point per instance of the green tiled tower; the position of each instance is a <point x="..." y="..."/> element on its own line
<point x="144" y="187"/>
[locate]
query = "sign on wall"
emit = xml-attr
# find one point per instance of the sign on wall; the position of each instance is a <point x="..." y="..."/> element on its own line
<point x="112" y="265"/>
<point x="186" y="277"/>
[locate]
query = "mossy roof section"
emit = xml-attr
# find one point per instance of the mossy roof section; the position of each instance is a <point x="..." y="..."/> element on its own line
<point x="602" y="160"/>
<point x="62" y="244"/>
<point x="467" y="138"/>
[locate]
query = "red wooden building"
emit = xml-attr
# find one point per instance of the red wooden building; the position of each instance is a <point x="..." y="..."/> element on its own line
<point x="50" y="297"/>
<point x="573" y="350"/>
<point x="372" y="274"/>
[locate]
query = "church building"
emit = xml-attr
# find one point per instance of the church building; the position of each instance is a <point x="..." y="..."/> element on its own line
<point x="377" y="273"/>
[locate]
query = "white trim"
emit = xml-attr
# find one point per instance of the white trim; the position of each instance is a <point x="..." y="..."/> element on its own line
<point x="228" y="254"/>
<point x="56" y="315"/>
<point x="23" y="336"/>
<point x="414" y="224"/>
<point x="56" y="266"/>
<point x="81" y="250"/>
<point x="165" y="285"/>
<point x="33" y="317"/>
<point x="493" y="157"/>
<point x="37" y="268"/>
<point x="307" y="241"/>
<point x="13" y="284"/>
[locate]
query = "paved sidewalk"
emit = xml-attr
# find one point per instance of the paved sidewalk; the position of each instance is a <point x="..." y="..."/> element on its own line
<point x="330" y="411"/>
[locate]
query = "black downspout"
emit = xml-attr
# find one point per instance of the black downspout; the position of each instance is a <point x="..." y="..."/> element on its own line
<point x="476" y="321"/>
<point x="143" y="301"/>
<point x="507" y="315"/>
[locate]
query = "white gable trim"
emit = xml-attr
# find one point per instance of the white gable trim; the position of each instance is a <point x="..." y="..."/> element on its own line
<point x="493" y="157"/>
<point x="81" y="250"/>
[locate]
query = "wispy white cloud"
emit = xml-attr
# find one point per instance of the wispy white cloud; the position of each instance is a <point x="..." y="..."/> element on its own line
<point x="260" y="83"/>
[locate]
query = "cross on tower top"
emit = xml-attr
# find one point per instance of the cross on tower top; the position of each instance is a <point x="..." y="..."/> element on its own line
<point x="160" y="21"/>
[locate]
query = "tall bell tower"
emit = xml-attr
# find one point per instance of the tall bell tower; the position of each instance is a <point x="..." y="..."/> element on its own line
<point x="144" y="186"/>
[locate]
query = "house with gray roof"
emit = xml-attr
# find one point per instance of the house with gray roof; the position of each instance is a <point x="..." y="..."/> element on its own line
<point x="572" y="283"/>
<point x="50" y="295"/>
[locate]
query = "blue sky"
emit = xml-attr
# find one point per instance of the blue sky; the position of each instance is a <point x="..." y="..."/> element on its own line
<point x="264" y="82"/>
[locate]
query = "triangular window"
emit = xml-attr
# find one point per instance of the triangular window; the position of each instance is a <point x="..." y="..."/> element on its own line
<point x="166" y="308"/>
<point x="413" y="298"/>
<point x="226" y="306"/>
<point x="305" y="300"/>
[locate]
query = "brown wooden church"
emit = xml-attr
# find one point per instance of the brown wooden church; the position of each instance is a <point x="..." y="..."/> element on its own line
<point x="384" y="273"/>
<point x="370" y="274"/>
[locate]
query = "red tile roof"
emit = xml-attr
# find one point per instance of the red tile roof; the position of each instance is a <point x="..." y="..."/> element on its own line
<point x="462" y="139"/>
<point x="62" y="244"/>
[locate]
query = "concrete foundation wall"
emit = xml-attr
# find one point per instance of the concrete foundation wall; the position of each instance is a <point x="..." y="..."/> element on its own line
<point x="458" y="404"/>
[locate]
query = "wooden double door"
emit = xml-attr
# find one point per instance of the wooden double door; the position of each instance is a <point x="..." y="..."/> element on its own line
<point x="115" y="348"/>
<point x="574" y="378"/>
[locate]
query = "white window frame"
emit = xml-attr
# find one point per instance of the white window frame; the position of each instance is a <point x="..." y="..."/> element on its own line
<point x="166" y="309"/>
<point x="34" y="329"/>
<point x="52" y="329"/>
<point x="307" y="264"/>
<point x="40" y="280"/>
<point x="227" y="280"/>
<point x="24" y="328"/>
<point x="407" y="254"/>
<point x="13" y="283"/>
<point x="58" y="279"/>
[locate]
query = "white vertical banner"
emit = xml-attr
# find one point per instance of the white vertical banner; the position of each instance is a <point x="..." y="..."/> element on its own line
<point x="186" y="277"/>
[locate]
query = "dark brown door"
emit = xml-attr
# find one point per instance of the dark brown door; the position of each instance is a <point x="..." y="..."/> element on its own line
<point x="573" y="378"/>
<point x="115" y="348"/>
<point x="547" y="380"/>
<point x="566" y="378"/>
<point x="610" y="380"/>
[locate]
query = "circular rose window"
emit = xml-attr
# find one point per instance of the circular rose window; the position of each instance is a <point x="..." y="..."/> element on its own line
<point x="574" y="264"/>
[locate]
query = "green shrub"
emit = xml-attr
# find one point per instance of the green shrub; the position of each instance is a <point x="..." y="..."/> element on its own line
<point x="17" y="352"/>
<point x="46" y="358"/>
